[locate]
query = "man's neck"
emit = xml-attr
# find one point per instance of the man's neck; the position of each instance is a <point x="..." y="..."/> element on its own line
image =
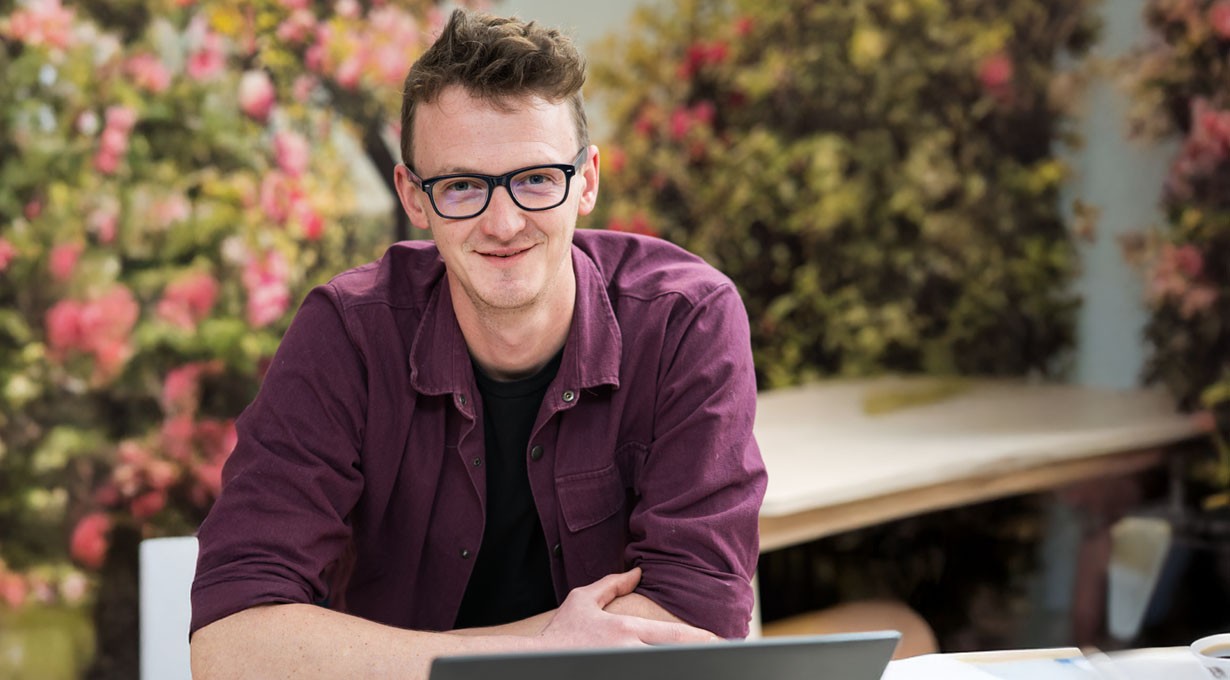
<point x="512" y="344"/>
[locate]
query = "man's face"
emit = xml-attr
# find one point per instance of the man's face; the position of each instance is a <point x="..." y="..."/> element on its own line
<point x="506" y="258"/>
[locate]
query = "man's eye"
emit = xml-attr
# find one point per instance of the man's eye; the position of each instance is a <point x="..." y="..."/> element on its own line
<point x="460" y="186"/>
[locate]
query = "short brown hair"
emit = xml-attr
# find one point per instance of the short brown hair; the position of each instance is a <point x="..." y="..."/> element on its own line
<point x="496" y="59"/>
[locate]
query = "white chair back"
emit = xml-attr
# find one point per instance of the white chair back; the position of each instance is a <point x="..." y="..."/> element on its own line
<point x="167" y="568"/>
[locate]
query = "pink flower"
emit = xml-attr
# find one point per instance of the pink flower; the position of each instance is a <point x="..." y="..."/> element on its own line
<point x="188" y="300"/>
<point x="347" y="9"/>
<point x="1219" y="18"/>
<point x="103" y="222"/>
<point x="148" y="504"/>
<point x="63" y="260"/>
<point x="7" y="252"/>
<point x="217" y="438"/>
<point x="106" y="163"/>
<point x="995" y="72"/>
<point x="267" y="304"/>
<point x="64" y="326"/>
<point x="109" y="357"/>
<point x="121" y="118"/>
<point x="1188" y="260"/>
<point x="42" y="22"/>
<point x="148" y="72"/>
<point x="390" y="61"/>
<point x="207" y="62"/>
<point x="314" y="58"/>
<point x="744" y="26"/>
<point x="109" y="317"/>
<point x="348" y="73"/>
<point x="296" y="28"/>
<point x="278" y="195"/>
<point x="291" y="149"/>
<point x="256" y="95"/>
<point x="132" y="453"/>
<point x="703" y="112"/>
<point x="169" y="210"/>
<point x="311" y="223"/>
<point x="181" y="388"/>
<point x="302" y="88"/>
<point x="113" y="141"/>
<point x="88" y="545"/>
<point x="681" y="123"/>
<point x="209" y="475"/>
<point x="176" y="437"/>
<point x="12" y="589"/>
<point x="99" y="327"/>
<point x="1198" y="298"/>
<point x="32" y="210"/>
<point x="161" y="474"/>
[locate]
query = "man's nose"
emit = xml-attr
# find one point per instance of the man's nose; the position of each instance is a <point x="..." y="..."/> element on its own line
<point x="502" y="219"/>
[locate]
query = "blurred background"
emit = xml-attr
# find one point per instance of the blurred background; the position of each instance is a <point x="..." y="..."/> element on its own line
<point x="1030" y="189"/>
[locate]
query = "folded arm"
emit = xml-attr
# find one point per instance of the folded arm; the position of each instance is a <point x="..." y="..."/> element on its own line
<point x="305" y="641"/>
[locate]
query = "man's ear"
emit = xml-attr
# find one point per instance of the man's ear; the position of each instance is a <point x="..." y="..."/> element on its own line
<point x="589" y="172"/>
<point x="412" y="199"/>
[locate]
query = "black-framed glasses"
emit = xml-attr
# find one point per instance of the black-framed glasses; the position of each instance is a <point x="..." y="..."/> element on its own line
<point x="465" y="195"/>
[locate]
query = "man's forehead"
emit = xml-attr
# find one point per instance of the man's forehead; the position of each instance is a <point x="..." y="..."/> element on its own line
<point x="461" y="132"/>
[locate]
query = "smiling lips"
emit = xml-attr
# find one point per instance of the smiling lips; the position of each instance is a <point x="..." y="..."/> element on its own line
<point x="503" y="254"/>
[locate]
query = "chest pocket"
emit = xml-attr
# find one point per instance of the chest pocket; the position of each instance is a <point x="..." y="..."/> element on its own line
<point x="588" y="498"/>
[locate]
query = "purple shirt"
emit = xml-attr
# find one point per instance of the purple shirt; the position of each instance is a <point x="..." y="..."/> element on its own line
<point x="358" y="476"/>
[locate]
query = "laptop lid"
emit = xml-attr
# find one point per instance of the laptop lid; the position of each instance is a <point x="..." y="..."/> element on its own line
<point x="854" y="656"/>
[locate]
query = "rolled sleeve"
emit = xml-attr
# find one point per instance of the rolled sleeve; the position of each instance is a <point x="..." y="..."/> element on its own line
<point x="293" y="479"/>
<point x="695" y="525"/>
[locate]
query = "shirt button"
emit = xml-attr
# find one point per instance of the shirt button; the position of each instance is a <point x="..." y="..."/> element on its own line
<point x="478" y="462"/>
<point x="536" y="452"/>
<point x="569" y="396"/>
<point x="465" y="554"/>
<point x="557" y="550"/>
<point x="461" y="399"/>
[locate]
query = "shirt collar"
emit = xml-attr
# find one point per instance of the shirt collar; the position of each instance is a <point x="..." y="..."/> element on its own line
<point x="440" y="361"/>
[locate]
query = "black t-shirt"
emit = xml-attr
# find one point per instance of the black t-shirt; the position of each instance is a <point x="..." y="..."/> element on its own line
<point x="512" y="571"/>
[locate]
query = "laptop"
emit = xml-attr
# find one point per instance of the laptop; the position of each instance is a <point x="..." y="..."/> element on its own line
<point x="853" y="656"/>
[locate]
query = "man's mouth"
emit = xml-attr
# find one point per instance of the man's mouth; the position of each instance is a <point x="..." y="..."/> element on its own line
<point x="505" y="253"/>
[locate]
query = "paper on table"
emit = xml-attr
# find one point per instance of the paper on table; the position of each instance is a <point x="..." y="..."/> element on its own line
<point x="933" y="667"/>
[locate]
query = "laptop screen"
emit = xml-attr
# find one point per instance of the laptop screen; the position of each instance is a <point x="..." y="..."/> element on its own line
<point x="854" y="656"/>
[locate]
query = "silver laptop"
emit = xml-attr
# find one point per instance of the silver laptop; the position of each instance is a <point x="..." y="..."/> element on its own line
<point x="854" y="656"/>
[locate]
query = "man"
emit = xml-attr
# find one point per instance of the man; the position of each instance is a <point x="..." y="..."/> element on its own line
<point x="518" y="437"/>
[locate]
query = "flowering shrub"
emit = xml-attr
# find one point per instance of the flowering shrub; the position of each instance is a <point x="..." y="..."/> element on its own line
<point x="1181" y="84"/>
<point x="876" y="177"/>
<point x="174" y="175"/>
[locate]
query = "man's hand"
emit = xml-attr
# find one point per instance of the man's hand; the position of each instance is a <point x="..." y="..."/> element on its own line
<point x="581" y="622"/>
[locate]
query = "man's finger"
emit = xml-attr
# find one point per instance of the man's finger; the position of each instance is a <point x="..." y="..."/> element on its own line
<point x="611" y="586"/>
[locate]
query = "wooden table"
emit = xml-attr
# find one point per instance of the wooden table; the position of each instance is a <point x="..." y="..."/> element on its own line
<point x="832" y="467"/>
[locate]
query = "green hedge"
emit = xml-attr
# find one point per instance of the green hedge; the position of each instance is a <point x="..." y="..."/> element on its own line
<point x="877" y="177"/>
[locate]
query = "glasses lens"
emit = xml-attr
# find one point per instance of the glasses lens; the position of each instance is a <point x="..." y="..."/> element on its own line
<point x="459" y="196"/>
<point x="539" y="188"/>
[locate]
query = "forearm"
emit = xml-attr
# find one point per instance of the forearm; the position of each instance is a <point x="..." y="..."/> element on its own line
<point x="531" y="626"/>
<point x="632" y="604"/>
<point x="635" y="604"/>
<point x="306" y="641"/>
